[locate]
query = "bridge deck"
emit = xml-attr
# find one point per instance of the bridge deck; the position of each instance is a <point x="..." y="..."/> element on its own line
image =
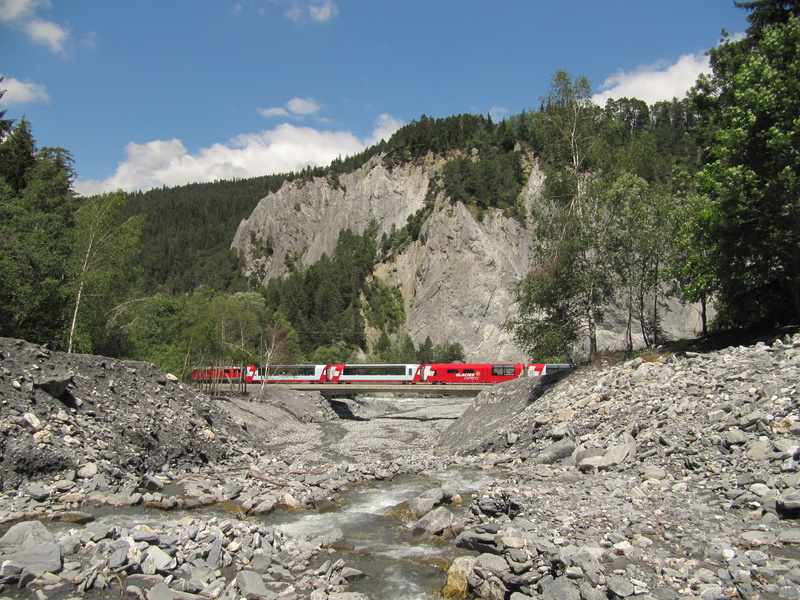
<point x="347" y="389"/>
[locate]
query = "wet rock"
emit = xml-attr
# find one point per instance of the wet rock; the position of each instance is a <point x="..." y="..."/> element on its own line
<point x="435" y="522"/>
<point x="456" y="585"/>
<point x="426" y="501"/>
<point x="334" y="538"/>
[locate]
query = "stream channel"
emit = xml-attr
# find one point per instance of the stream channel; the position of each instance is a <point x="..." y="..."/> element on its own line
<point x="398" y="563"/>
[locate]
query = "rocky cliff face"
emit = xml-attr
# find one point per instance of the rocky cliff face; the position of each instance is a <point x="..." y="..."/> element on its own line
<point x="457" y="279"/>
<point x="304" y="220"/>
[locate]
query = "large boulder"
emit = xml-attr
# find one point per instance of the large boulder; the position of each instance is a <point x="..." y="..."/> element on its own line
<point x="30" y="545"/>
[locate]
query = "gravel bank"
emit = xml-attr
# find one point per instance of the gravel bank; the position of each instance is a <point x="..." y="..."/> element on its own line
<point x="669" y="479"/>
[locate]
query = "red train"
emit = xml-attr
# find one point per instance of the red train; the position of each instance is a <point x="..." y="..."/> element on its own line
<point x="221" y="374"/>
<point x="378" y="373"/>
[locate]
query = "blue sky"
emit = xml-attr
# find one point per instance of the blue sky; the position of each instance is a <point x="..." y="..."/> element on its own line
<point x="166" y="92"/>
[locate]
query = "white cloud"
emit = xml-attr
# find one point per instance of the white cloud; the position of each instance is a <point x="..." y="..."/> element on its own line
<point x="316" y="10"/>
<point x="22" y="14"/>
<point x="47" y="33"/>
<point x="324" y="11"/>
<point x="277" y="111"/>
<point x="303" y="106"/>
<point x="283" y="149"/>
<point x="22" y="92"/>
<point x="498" y="113"/>
<point x="655" y="82"/>
<point x="14" y="10"/>
<point x="296" y="107"/>
<point x="385" y="126"/>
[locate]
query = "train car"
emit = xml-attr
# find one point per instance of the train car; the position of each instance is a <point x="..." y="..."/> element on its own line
<point x="220" y="374"/>
<point x="290" y="374"/>
<point x="401" y="373"/>
<point x="471" y="373"/>
<point x="443" y="373"/>
<point x="537" y="370"/>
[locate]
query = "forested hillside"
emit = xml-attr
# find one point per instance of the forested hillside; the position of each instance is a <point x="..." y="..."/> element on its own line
<point x="696" y="197"/>
<point x="188" y="230"/>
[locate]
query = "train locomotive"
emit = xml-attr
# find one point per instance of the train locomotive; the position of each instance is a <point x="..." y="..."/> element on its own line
<point x="443" y="373"/>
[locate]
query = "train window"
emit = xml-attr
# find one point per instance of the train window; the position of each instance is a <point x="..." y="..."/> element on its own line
<point x="503" y="370"/>
<point x="374" y="370"/>
<point x="556" y="368"/>
<point x="469" y="370"/>
<point x="452" y="370"/>
<point x="289" y="370"/>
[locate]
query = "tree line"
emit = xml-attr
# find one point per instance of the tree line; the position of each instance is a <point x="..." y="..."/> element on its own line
<point x="717" y="221"/>
<point x="64" y="261"/>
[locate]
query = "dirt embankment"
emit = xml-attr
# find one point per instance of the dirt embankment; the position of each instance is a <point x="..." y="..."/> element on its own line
<point x="61" y="412"/>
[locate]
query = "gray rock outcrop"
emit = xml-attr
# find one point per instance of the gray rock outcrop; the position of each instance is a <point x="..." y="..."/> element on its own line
<point x="457" y="279"/>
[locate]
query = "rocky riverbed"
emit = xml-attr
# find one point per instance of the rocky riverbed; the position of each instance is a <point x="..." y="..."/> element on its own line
<point x="672" y="478"/>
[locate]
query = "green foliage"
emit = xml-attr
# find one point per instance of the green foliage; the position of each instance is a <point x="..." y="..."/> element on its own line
<point x="18" y="156"/>
<point x="573" y="223"/>
<point x="694" y="267"/>
<point x="37" y="210"/>
<point x="750" y="122"/>
<point x="569" y="127"/>
<point x="436" y="136"/>
<point x="5" y="124"/>
<point x="188" y="231"/>
<point x="387" y="351"/>
<point x="402" y="351"/>
<point x="383" y="307"/>
<point x="494" y="180"/>
<point x="448" y="352"/>
<point x="552" y="308"/>
<point x="323" y="300"/>
<point x="100" y="274"/>
<point x="179" y="332"/>
<point x="768" y="12"/>
<point x="337" y="353"/>
<point x="607" y="226"/>
<point x="157" y="329"/>
<point x="640" y="246"/>
<point x="399" y="239"/>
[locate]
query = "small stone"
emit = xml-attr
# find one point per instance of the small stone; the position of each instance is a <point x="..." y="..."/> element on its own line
<point x="620" y="586"/>
<point x="87" y="471"/>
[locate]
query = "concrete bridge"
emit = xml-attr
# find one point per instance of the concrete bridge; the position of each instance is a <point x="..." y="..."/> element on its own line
<point x="331" y="390"/>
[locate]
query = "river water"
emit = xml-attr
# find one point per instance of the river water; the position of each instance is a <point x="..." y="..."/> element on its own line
<point x="398" y="564"/>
